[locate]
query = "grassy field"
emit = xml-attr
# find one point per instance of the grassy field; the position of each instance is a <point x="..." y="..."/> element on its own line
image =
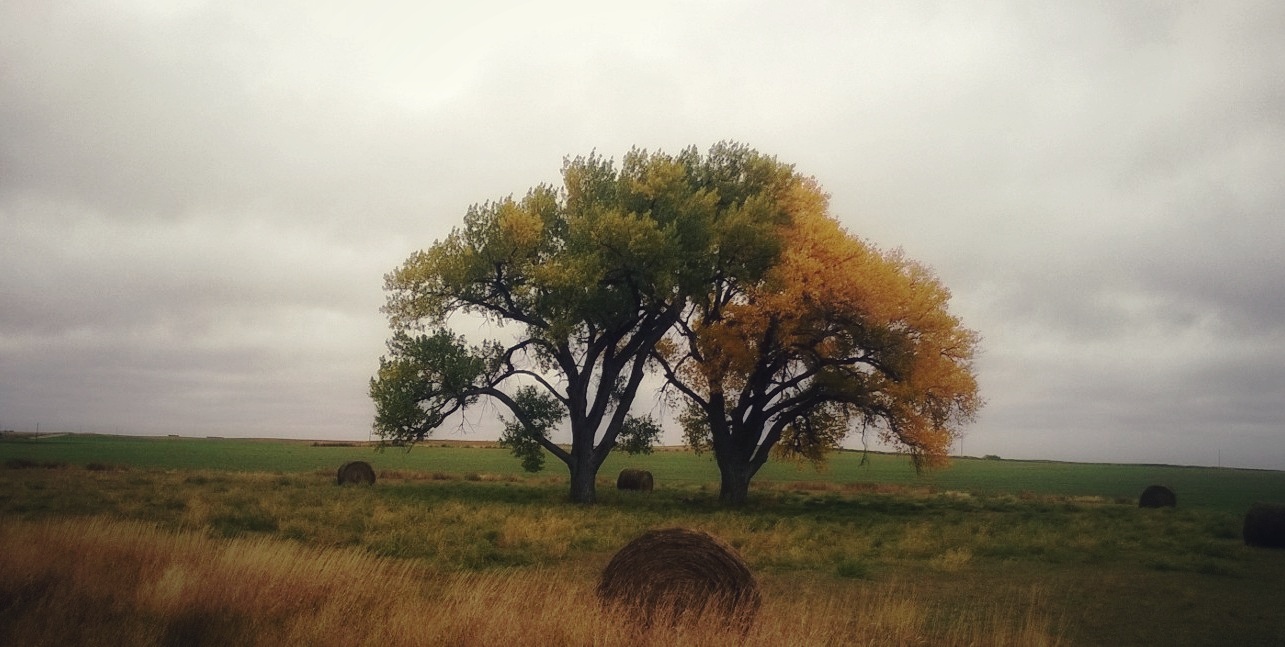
<point x="170" y="541"/>
<point x="1230" y="490"/>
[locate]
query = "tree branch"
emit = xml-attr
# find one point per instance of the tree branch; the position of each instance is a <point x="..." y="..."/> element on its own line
<point x="671" y="377"/>
<point x="526" y="421"/>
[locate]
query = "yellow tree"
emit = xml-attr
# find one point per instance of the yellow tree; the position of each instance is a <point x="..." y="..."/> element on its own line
<point x="837" y="337"/>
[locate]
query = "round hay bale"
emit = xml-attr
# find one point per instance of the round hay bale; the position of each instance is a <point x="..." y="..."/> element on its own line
<point x="1265" y="525"/>
<point x="1157" y="496"/>
<point x="634" y="479"/>
<point x="356" y="472"/>
<point x="665" y="575"/>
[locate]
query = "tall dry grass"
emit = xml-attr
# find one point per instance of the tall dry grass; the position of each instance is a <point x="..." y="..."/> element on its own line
<point x="102" y="582"/>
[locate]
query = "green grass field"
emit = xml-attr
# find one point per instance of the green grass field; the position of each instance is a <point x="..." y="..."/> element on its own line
<point x="985" y="552"/>
<point x="1230" y="490"/>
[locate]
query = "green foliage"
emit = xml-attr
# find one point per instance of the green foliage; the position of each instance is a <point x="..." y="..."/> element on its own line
<point x="524" y="445"/>
<point x="638" y="435"/>
<point x="422" y="380"/>
<point x="590" y="278"/>
<point x="695" y="426"/>
<point x="526" y="440"/>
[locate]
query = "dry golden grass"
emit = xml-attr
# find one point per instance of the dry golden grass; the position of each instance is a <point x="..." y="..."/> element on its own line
<point x="104" y="582"/>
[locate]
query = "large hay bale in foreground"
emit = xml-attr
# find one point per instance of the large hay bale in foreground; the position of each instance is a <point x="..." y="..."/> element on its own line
<point x="1157" y="496"/>
<point x="356" y="472"/>
<point x="634" y="479"/>
<point x="1265" y="525"/>
<point x="665" y="575"/>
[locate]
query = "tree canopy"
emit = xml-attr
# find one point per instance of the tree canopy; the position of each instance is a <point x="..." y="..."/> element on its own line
<point x="836" y="337"/>
<point x="587" y="279"/>
<point x="784" y="332"/>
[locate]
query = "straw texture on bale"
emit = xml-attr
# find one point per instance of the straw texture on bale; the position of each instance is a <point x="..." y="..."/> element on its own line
<point x="356" y="472"/>
<point x="666" y="575"/>
<point x="635" y="479"/>
<point x="1157" y="496"/>
<point x="1265" y="525"/>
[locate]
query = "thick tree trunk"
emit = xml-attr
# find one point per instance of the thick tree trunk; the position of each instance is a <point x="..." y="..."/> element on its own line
<point x="735" y="489"/>
<point x="735" y="482"/>
<point x="583" y="488"/>
<point x="583" y="480"/>
<point x="735" y="467"/>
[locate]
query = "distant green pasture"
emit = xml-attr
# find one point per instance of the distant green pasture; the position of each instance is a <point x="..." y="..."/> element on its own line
<point x="1231" y="490"/>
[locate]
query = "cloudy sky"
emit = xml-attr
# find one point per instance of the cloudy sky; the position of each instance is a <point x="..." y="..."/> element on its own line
<point x="198" y="200"/>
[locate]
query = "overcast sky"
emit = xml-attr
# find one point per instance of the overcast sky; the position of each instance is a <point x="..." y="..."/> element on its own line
<point x="198" y="200"/>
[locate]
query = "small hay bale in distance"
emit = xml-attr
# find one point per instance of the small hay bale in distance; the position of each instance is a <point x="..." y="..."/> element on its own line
<point x="666" y="575"/>
<point x="1157" y="496"/>
<point x="635" y="479"/>
<point x="1265" y="525"/>
<point x="356" y="472"/>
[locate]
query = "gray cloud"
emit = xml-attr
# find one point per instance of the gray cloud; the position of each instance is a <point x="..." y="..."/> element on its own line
<point x="198" y="200"/>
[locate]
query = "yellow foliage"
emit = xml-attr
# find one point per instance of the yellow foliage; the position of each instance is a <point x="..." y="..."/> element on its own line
<point x="879" y="321"/>
<point x="520" y="228"/>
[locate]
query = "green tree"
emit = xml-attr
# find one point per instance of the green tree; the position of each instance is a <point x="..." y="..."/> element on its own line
<point x="586" y="280"/>
<point x="835" y="337"/>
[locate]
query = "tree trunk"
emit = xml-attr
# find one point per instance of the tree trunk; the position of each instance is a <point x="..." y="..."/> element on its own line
<point x="583" y="485"/>
<point x="734" y="465"/>
<point x="735" y="482"/>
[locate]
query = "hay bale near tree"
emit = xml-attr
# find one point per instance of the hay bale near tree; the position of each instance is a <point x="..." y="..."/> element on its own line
<point x="356" y="472"/>
<point x="667" y="575"/>
<point x="1157" y="496"/>
<point x="635" y="479"/>
<point x="1265" y="525"/>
